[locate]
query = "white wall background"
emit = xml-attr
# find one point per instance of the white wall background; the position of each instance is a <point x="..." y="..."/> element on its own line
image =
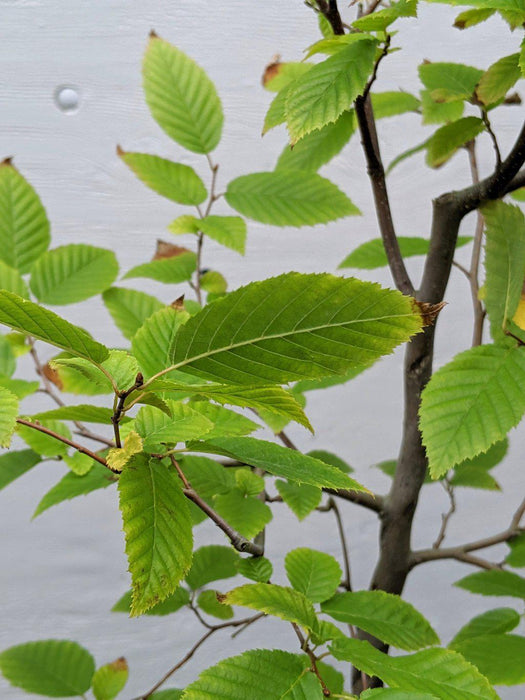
<point x="61" y="574"/>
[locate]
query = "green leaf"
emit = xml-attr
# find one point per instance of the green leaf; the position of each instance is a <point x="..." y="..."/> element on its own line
<point x="330" y="458"/>
<point x="487" y="460"/>
<point x="257" y="569"/>
<point x="474" y="478"/>
<point x="471" y="403"/>
<point x="278" y="75"/>
<point x="79" y="463"/>
<point x="440" y="112"/>
<point x="497" y="80"/>
<point x="181" y="97"/>
<point x="72" y="485"/>
<point x="516" y="556"/>
<point x="84" y="412"/>
<point x="393" y="694"/>
<point x="278" y="199"/>
<point x="440" y="672"/>
<point x="226" y="423"/>
<point x="7" y="358"/>
<point x="178" y="268"/>
<point x="371" y="254"/>
<point x="302" y="499"/>
<point x="326" y="382"/>
<point x="24" y="227"/>
<point x="42" y="443"/>
<point x="110" y="679"/>
<point x="386" y="616"/>
<point x="449" y="81"/>
<point x="19" y="387"/>
<point x="329" y="88"/>
<point x="499" y="657"/>
<point x="74" y="378"/>
<point x="407" y="154"/>
<point x="15" y="464"/>
<point x="391" y="104"/>
<point x="29" y="318"/>
<point x="280" y="461"/>
<point x="274" y="600"/>
<point x="246" y="514"/>
<point x="169" y="605"/>
<point x="257" y="674"/>
<point x="157" y="525"/>
<point x="119" y="457"/>
<point x="447" y="139"/>
<point x="129" y="308"/>
<point x="318" y="147"/>
<point x="494" y="583"/>
<point x="206" y="476"/>
<point x="504" y="263"/>
<point x="229" y="231"/>
<point x="315" y="574"/>
<point x="73" y="273"/>
<point x="175" y="181"/>
<point x="211" y="563"/>
<point x="325" y="325"/>
<point x="213" y="283"/>
<point x="55" y="668"/>
<point x="379" y="21"/>
<point x="158" y="429"/>
<point x="276" y="113"/>
<point x="469" y="18"/>
<point x="168" y="694"/>
<point x="207" y="601"/>
<point x="11" y="280"/>
<point x="496" y="622"/>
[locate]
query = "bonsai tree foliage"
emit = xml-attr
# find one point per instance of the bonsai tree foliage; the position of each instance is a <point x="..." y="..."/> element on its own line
<point x="172" y="429"/>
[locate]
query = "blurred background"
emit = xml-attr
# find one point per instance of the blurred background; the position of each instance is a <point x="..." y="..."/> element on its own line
<point x="70" y="91"/>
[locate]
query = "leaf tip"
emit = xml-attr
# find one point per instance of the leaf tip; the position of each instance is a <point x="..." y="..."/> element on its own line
<point x="120" y="151"/>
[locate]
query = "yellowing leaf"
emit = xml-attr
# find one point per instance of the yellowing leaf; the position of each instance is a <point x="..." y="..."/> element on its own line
<point x="118" y="457"/>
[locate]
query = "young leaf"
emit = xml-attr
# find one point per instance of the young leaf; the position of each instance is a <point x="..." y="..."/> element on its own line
<point x="473" y="478"/>
<point x="499" y="657"/>
<point x="24" y="227"/>
<point x="15" y="464"/>
<point x="19" y="387"/>
<point x="185" y="224"/>
<point x="440" y="672"/>
<point x="494" y="583"/>
<point x="379" y="21"/>
<point x="371" y="254"/>
<point x="34" y="320"/>
<point x="471" y="403"/>
<point x="207" y="601"/>
<point x="206" y="476"/>
<point x="211" y="563"/>
<point x="7" y="358"/>
<point x="72" y="485"/>
<point x="229" y="231"/>
<point x="278" y="75"/>
<point x="257" y="569"/>
<point x="171" y="604"/>
<point x="275" y="198"/>
<point x="446" y="140"/>
<point x="504" y="263"/>
<point x="79" y="463"/>
<point x="52" y="667"/>
<point x="440" y="112"/>
<point x="110" y="679"/>
<point x="175" y="181"/>
<point x="169" y="694"/>
<point x="498" y="79"/>
<point x="496" y="622"/>
<point x="386" y="616"/>
<point x="279" y="461"/>
<point x="118" y="457"/>
<point x="315" y="574"/>
<point x="157" y="524"/>
<point x="391" y="104"/>
<point x="325" y="325"/>
<point x="329" y="88"/>
<point x="178" y="268"/>
<point x="226" y="423"/>
<point x="302" y="499"/>
<point x="45" y="444"/>
<point x="516" y="556"/>
<point x="181" y="97"/>
<point x="318" y="147"/>
<point x="469" y="18"/>
<point x="73" y="273"/>
<point x="157" y="428"/>
<point x="274" y="600"/>
<point x="449" y="81"/>
<point x="84" y="412"/>
<point x="12" y="281"/>
<point x="246" y="514"/>
<point x="130" y="308"/>
<point x="258" y="674"/>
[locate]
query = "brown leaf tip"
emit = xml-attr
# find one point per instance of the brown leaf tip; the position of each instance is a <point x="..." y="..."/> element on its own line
<point x="119" y="664"/>
<point x="429" y="312"/>
<point x="7" y="161"/>
<point x="120" y="151"/>
<point x="153" y="34"/>
<point x="168" y="250"/>
<point x="272" y="70"/>
<point x="221" y="597"/>
<point x="178" y="304"/>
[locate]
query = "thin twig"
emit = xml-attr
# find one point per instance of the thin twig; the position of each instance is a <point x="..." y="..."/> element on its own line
<point x="479" y="311"/>
<point x="347" y="581"/>
<point x="445" y="518"/>
<point x="462" y="269"/>
<point x="373" y="77"/>
<point x="119" y="406"/>
<point x="313" y="658"/>
<point x="492" y="135"/>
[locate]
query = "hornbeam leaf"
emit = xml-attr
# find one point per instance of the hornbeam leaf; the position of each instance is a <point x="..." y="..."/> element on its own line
<point x="447" y="139"/>
<point x="330" y="87"/>
<point x="84" y="412"/>
<point x="497" y="80"/>
<point x="439" y="672"/>
<point x="34" y="320"/>
<point x="175" y="181"/>
<point x="449" y="81"/>
<point x="280" y="601"/>
<point x="246" y="514"/>
<point x="379" y="21"/>
<point x="278" y="75"/>
<point x="302" y="499"/>
<point x="257" y="674"/>
<point x="181" y="97"/>
<point x="257" y="569"/>
<point x="178" y="268"/>
<point x="118" y="457"/>
<point x="499" y="657"/>
<point x="15" y="464"/>
<point x="129" y="308"/>
<point x="278" y="199"/>
<point x="391" y="104"/>
<point x="8" y="414"/>
<point x="280" y="461"/>
<point x="497" y="621"/>
<point x="494" y="583"/>
<point x="386" y="616"/>
<point x="469" y="18"/>
<point x="440" y="112"/>
<point x="207" y="601"/>
<point x="19" y="387"/>
<point x="294" y="327"/>
<point x="211" y="563"/>
<point x="157" y="428"/>
<point x="171" y="604"/>
<point x="471" y="403"/>
<point x="504" y="263"/>
<point x="110" y="679"/>
<point x="394" y="694"/>
<point x="11" y="280"/>
<point x="57" y="668"/>
<point x="157" y="525"/>
<point x="24" y="227"/>
<point x="315" y="574"/>
<point x="371" y="254"/>
<point x="73" y="273"/>
<point x="229" y="231"/>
